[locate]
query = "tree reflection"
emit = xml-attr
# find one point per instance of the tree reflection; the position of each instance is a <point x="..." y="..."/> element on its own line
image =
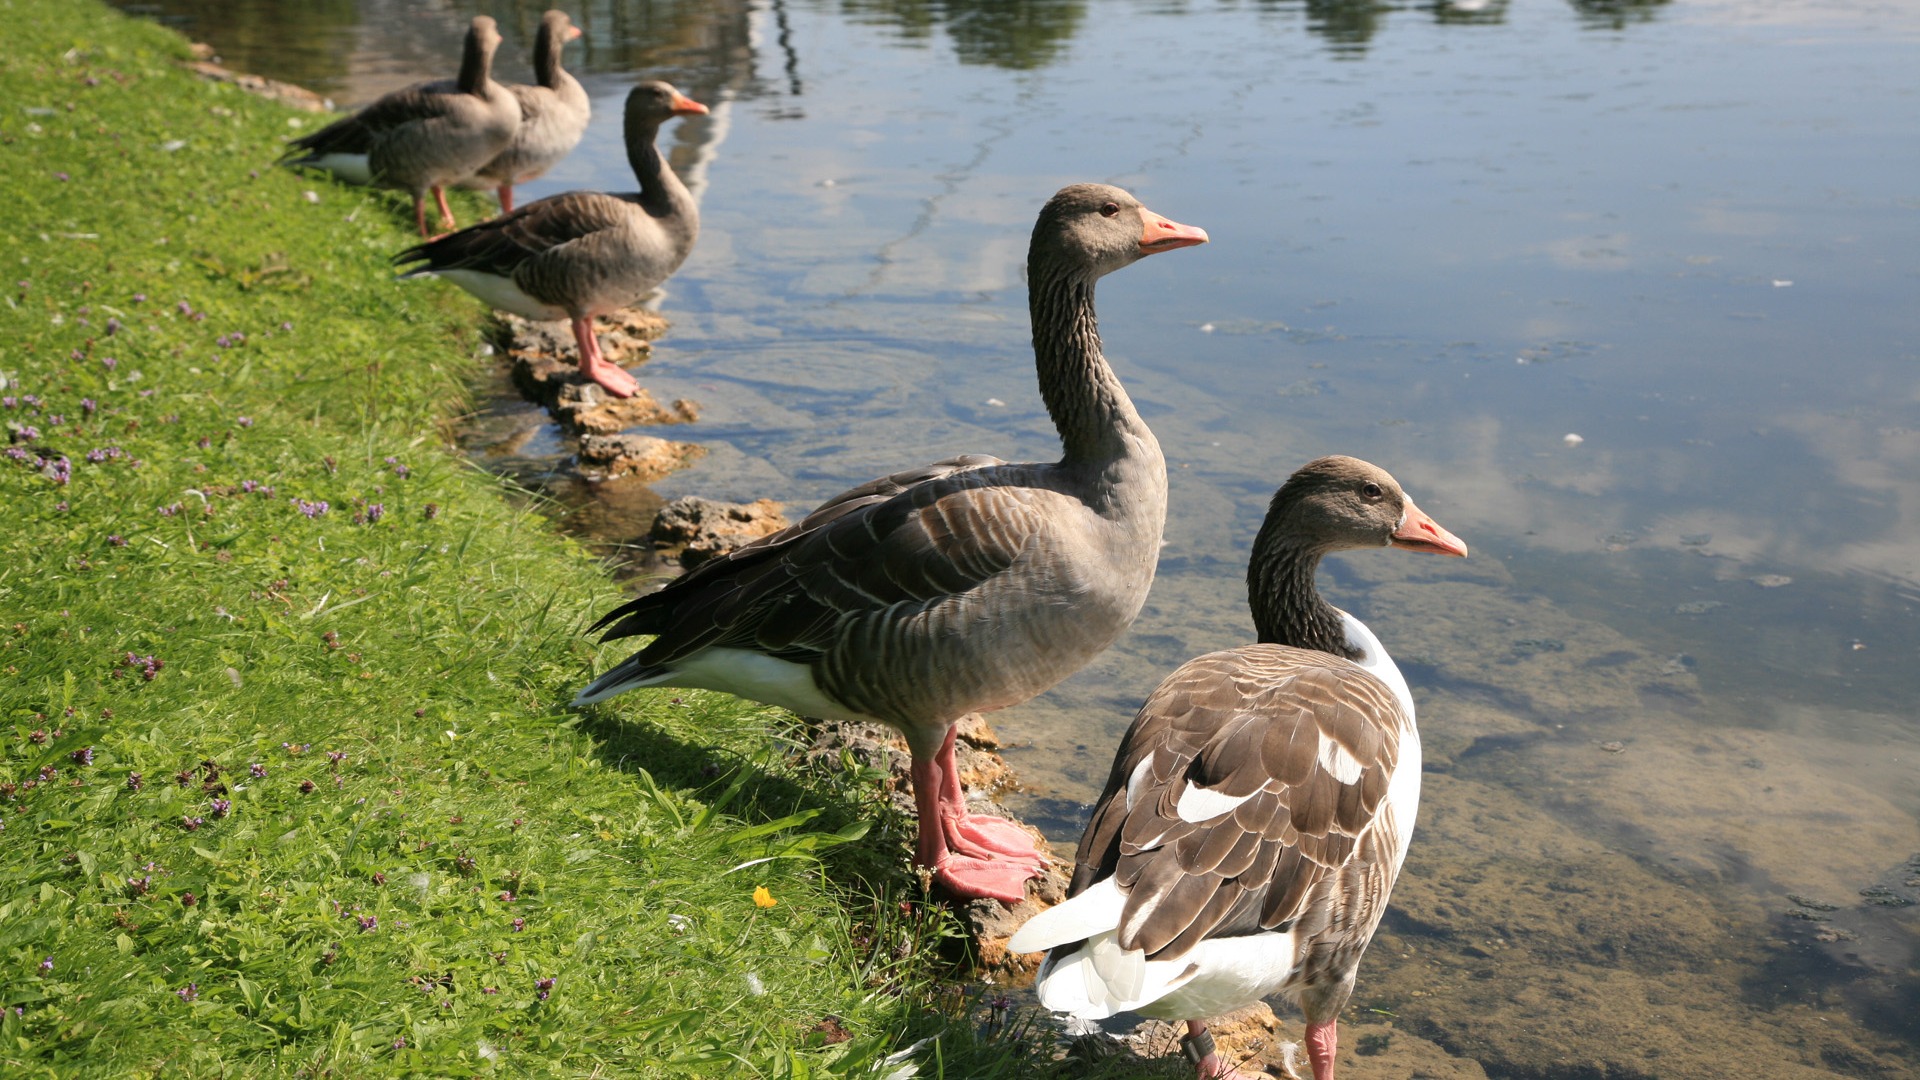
<point x="1615" y="14"/>
<point x="1017" y="34"/>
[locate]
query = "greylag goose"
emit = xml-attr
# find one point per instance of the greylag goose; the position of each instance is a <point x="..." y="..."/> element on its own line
<point x="553" y="114"/>
<point x="1261" y="803"/>
<point x="583" y="253"/>
<point x="423" y="137"/>
<point x="959" y="587"/>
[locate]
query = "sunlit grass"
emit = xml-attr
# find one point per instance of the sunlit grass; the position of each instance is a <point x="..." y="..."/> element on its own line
<point x="288" y="785"/>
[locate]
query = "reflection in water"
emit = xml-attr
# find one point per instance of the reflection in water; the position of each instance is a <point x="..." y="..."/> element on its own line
<point x="1016" y="34"/>
<point x="1616" y="14"/>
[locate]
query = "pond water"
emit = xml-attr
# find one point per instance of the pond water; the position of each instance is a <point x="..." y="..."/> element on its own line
<point x="1624" y="292"/>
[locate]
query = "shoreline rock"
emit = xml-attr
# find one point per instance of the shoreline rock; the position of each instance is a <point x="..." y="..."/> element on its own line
<point x="206" y="64"/>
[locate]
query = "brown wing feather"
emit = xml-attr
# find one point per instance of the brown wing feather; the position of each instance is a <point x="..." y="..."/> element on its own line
<point x="357" y="133"/>
<point x="508" y="244"/>
<point x="1244" y="722"/>
<point x="915" y="539"/>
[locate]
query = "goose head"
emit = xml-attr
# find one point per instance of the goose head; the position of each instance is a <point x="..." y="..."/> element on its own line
<point x="1100" y="228"/>
<point x="654" y="102"/>
<point x="559" y="27"/>
<point x="1342" y="503"/>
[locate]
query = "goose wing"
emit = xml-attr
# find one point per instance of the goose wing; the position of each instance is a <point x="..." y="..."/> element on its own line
<point x="504" y="244"/>
<point x="357" y="133"/>
<point x="898" y="545"/>
<point x="1248" y="777"/>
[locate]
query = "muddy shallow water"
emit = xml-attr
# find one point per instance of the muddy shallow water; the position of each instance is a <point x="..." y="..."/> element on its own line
<point x="1673" y="794"/>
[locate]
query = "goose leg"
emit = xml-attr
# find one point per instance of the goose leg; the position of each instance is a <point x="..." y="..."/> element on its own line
<point x="977" y="834"/>
<point x="420" y="213"/>
<point x="446" y="214"/>
<point x="505" y="191"/>
<point x="595" y="366"/>
<point x="1322" y="1040"/>
<point x="1208" y="1062"/>
<point x="965" y="876"/>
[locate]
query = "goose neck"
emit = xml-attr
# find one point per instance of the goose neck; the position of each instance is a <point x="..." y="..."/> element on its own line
<point x="1287" y="606"/>
<point x="1095" y="417"/>
<point x="476" y="66"/>
<point x="546" y="58"/>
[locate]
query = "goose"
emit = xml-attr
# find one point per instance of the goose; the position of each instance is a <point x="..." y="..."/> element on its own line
<point x="1261" y="803"/>
<point x="553" y="114"/>
<point x="582" y="254"/>
<point x="425" y="136"/>
<point x="963" y="586"/>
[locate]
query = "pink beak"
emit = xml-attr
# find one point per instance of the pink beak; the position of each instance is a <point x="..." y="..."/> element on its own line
<point x="686" y="106"/>
<point x="1421" y="533"/>
<point x="1159" y="234"/>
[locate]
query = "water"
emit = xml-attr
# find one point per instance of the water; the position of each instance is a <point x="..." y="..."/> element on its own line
<point x="1672" y="690"/>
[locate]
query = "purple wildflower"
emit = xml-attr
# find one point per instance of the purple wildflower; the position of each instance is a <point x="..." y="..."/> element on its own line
<point x="62" y="177"/>
<point x="286" y="326"/>
<point x="10" y="401"/>
<point x="38" y="736"/>
<point x="257" y="771"/>
<point x="222" y="807"/>
<point x="221" y="341"/>
<point x="31" y="400"/>
<point x="56" y="420"/>
<point x="244" y="421"/>
<point x="189" y="992"/>
<point x="59" y="471"/>
<point x="368" y="924"/>
<point x="311" y="509"/>
<point x="46" y="966"/>
<point x="27" y="433"/>
<point x="113" y="326"/>
<point x="48" y="773"/>
<point x="170" y="511"/>
<point x="489" y="989"/>
<point x="519" y="925"/>
<point x="83" y="756"/>
<point x="17" y="454"/>
<point x="139" y="298"/>
<point x="545" y="986"/>
<point x="296" y="748"/>
<point x="117" y="540"/>
<point x="109" y="362"/>
<point x="183" y="307"/>
<point x="400" y="1043"/>
<point x="375" y="511"/>
<point x="198" y="316"/>
<point x="306" y="787"/>
<point x="190" y="823"/>
<point x="140" y="886"/>
<point x="134" y="780"/>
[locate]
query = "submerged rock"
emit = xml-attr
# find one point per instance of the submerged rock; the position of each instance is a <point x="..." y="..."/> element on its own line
<point x="642" y="456"/>
<point x="703" y="529"/>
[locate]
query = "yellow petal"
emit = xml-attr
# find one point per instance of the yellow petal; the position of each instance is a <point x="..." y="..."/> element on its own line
<point x="762" y="897"/>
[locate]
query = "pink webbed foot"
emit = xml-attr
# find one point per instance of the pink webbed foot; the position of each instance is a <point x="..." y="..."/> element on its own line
<point x="990" y="837"/>
<point x="614" y="380"/>
<point x="983" y="879"/>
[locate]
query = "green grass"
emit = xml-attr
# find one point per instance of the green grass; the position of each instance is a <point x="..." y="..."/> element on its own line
<point x="342" y="822"/>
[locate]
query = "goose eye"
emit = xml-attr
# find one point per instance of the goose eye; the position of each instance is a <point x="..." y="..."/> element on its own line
<point x="1109" y="209"/>
<point x="1371" y="490"/>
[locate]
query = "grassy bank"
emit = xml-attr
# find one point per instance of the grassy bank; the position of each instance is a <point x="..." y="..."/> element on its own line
<point x="289" y="786"/>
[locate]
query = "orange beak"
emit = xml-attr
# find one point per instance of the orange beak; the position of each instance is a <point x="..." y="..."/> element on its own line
<point x="1421" y="533"/>
<point x="574" y="33"/>
<point x="1159" y="234"/>
<point x="686" y="106"/>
